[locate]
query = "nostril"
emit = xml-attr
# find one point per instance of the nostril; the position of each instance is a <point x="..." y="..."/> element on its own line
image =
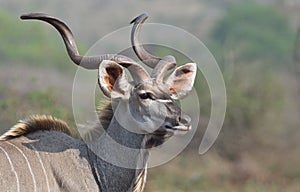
<point x="179" y="119"/>
<point x="184" y="120"/>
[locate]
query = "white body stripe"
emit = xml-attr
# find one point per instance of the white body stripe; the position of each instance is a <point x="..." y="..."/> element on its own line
<point x="28" y="164"/>
<point x="12" y="168"/>
<point x="43" y="167"/>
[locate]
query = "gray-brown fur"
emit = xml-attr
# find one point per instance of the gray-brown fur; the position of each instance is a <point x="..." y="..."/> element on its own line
<point x="68" y="163"/>
<point x="56" y="137"/>
<point x="105" y="115"/>
<point x="45" y="161"/>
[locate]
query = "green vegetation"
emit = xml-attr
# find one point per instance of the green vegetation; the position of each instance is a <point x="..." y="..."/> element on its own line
<point x="209" y="173"/>
<point x="251" y="32"/>
<point x="15" y="106"/>
<point x="250" y="42"/>
<point x="31" y="42"/>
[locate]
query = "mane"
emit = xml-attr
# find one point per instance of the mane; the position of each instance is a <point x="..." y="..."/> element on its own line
<point x="38" y="123"/>
<point x="105" y="114"/>
<point x="49" y="123"/>
<point x="140" y="181"/>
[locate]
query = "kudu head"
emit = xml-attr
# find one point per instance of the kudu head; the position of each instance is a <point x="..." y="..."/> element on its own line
<point x="150" y="97"/>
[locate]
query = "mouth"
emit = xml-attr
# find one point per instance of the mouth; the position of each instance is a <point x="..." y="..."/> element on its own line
<point x="164" y="133"/>
<point x="177" y="130"/>
<point x="183" y="128"/>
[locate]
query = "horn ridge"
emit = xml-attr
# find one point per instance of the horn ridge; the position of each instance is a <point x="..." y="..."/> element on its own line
<point x="142" y="54"/>
<point x="89" y="62"/>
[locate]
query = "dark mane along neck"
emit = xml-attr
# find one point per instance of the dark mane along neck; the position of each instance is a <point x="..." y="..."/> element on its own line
<point x="38" y="123"/>
<point x="105" y="115"/>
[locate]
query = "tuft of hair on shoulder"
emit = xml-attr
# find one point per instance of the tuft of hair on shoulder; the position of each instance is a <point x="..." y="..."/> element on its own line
<point x="39" y="123"/>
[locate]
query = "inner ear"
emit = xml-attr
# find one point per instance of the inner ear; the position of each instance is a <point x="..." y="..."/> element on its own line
<point x="181" y="81"/>
<point x="112" y="78"/>
<point x="112" y="74"/>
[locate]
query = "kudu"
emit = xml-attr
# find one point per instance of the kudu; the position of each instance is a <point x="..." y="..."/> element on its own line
<point x="42" y="153"/>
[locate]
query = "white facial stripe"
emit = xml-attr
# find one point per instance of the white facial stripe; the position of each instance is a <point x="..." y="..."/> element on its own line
<point x="164" y="100"/>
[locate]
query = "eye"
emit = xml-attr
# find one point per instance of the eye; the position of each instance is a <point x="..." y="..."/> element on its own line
<point x="146" y="95"/>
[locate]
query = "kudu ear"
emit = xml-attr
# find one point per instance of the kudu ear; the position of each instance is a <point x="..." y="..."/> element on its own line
<point x="112" y="78"/>
<point x="181" y="81"/>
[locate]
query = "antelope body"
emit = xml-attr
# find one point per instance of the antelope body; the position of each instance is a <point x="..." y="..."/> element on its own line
<point x="43" y="154"/>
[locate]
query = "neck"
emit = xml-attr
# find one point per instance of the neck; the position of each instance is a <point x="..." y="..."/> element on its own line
<point x="119" y="158"/>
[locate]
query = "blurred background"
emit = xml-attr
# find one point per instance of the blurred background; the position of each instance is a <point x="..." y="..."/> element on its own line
<point x="257" y="47"/>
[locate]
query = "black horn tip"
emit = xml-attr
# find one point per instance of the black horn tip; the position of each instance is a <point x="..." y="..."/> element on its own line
<point x="34" y="16"/>
<point x="141" y="17"/>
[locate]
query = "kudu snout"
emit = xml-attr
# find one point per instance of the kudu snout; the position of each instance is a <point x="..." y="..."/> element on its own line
<point x="184" y="119"/>
<point x="178" y="122"/>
